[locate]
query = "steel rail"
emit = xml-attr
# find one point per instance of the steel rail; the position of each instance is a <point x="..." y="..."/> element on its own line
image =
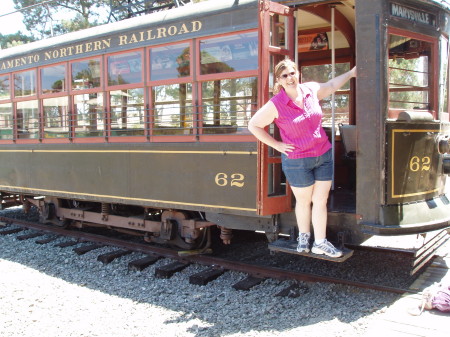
<point x="253" y="270"/>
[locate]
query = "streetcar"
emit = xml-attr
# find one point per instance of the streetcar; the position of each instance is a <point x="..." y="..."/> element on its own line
<point x="141" y="125"/>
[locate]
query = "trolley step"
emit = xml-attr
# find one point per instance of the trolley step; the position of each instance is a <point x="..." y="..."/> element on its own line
<point x="290" y="247"/>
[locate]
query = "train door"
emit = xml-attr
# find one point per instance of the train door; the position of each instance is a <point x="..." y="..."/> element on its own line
<point x="277" y="36"/>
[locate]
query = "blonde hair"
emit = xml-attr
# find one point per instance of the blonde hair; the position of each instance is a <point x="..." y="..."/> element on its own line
<point x="279" y="68"/>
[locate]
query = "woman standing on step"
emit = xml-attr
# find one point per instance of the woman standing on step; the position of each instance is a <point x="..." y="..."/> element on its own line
<point x="306" y="150"/>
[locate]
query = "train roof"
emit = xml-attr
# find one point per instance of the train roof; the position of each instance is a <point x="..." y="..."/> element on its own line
<point x="190" y="11"/>
<point x="441" y="3"/>
<point x="186" y="12"/>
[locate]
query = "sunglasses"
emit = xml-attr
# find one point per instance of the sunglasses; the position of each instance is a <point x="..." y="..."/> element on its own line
<point x="292" y="73"/>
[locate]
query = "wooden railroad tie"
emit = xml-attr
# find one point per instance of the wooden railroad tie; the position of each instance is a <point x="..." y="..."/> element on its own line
<point x="168" y="270"/>
<point x="141" y="264"/>
<point x="29" y="236"/>
<point x="111" y="256"/>
<point x="47" y="240"/>
<point x="248" y="283"/>
<point x="86" y="249"/>
<point x="66" y="244"/>
<point x="11" y="231"/>
<point x="204" y="277"/>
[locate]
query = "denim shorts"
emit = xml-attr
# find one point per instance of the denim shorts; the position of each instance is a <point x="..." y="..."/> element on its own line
<point x="303" y="172"/>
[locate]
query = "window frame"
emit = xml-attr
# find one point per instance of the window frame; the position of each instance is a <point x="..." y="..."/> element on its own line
<point x="52" y="94"/>
<point x="221" y="137"/>
<point x="173" y="138"/>
<point x="7" y="100"/>
<point x="89" y="90"/>
<point x="122" y="139"/>
<point x="220" y="76"/>
<point x="41" y="97"/>
<point x="113" y="87"/>
<point x="224" y="75"/>
<point x="74" y="138"/>
<point x="16" y="138"/>
<point x="10" y="101"/>
<point x="180" y="80"/>
<point x="433" y="73"/>
<point x="11" y="140"/>
<point x="42" y="137"/>
<point x="101" y="89"/>
<point x="16" y="99"/>
<point x="29" y="97"/>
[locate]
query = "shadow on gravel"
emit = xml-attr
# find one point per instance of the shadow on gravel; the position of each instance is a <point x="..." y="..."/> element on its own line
<point x="217" y="309"/>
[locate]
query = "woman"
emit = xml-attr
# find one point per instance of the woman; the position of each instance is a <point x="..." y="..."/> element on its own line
<point x="306" y="150"/>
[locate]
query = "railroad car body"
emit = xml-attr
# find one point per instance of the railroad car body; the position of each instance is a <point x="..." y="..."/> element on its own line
<point x="141" y="125"/>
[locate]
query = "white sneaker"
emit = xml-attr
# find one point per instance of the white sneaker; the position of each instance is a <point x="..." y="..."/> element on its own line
<point x="326" y="248"/>
<point x="303" y="242"/>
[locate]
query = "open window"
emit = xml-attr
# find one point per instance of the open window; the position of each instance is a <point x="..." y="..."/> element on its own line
<point x="410" y="69"/>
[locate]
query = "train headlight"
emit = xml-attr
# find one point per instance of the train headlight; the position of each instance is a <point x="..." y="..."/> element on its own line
<point x="446" y="164"/>
<point x="443" y="144"/>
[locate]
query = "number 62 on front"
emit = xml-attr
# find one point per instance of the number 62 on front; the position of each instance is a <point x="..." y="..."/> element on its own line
<point x="233" y="179"/>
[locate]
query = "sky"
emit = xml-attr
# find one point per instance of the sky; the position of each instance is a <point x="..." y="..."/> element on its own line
<point x="10" y="24"/>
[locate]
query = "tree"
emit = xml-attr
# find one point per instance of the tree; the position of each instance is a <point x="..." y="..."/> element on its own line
<point x="124" y="9"/>
<point x="408" y="83"/>
<point x="42" y="22"/>
<point x="11" y="40"/>
<point x="42" y="18"/>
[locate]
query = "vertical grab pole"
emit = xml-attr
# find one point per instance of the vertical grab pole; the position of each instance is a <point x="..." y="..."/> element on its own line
<point x="333" y="72"/>
<point x="296" y="38"/>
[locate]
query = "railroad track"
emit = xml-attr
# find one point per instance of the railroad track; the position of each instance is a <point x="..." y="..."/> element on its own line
<point x="213" y="266"/>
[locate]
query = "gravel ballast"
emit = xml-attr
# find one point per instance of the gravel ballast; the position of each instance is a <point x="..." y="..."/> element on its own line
<point x="51" y="291"/>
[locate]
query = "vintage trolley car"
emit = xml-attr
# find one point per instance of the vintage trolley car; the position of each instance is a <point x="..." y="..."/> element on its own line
<point x="141" y="125"/>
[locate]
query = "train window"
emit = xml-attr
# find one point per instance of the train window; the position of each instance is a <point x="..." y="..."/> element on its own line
<point x="53" y="79"/>
<point x="228" y="105"/>
<point x="125" y="68"/>
<point x="25" y="83"/>
<point x="127" y="112"/>
<point x="56" y="117"/>
<point x="6" y="121"/>
<point x="229" y="53"/>
<point x="443" y="81"/>
<point x="28" y="119"/>
<point x="276" y="180"/>
<point x="409" y="70"/>
<point x="323" y="73"/>
<point x="170" y="62"/>
<point x="89" y="115"/>
<point x="274" y="131"/>
<point x="172" y="109"/>
<point x="86" y="74"/>
<point x="5" y="87"/>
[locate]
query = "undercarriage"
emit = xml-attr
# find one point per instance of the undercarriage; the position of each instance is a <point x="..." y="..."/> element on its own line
<point x="183" y="229"/>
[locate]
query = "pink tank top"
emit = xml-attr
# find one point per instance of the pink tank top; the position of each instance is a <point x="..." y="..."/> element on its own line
<point x="301" y="127"/>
